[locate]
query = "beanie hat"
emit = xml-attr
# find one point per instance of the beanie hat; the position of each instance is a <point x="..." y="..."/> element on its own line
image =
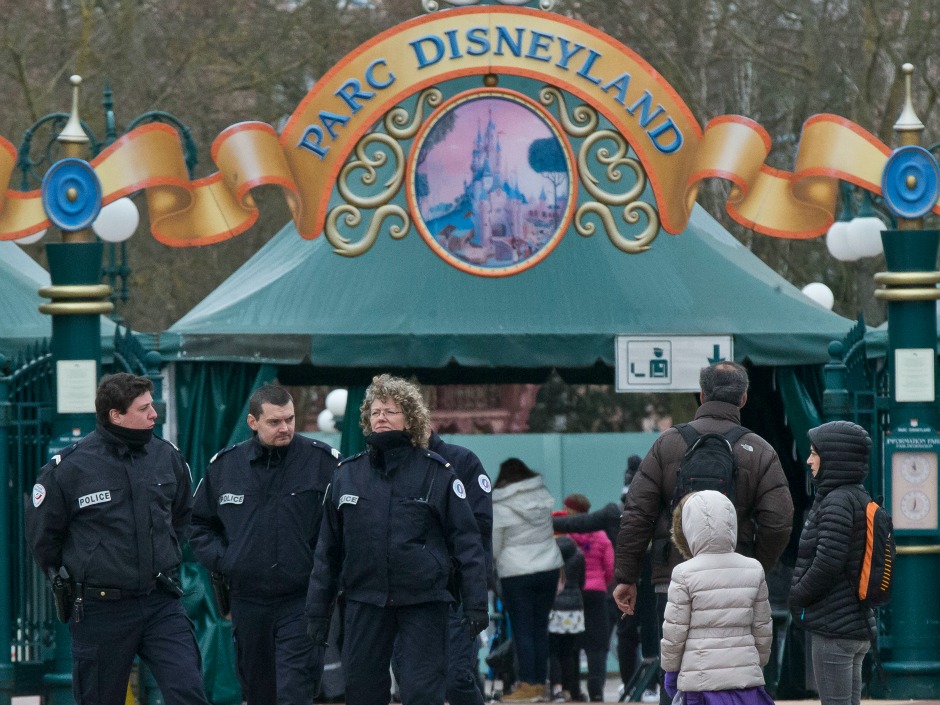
<point x="578" y="503"/>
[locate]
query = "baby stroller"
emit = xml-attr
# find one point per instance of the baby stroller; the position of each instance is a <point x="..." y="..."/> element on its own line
<point x="501" y="659"/>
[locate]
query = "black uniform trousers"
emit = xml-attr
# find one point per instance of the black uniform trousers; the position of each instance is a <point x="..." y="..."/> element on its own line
<point x="278" y="664"/>
<point x="369" y="635"/>
<point x="112" y="632"/>
<point x="463" y="662"/>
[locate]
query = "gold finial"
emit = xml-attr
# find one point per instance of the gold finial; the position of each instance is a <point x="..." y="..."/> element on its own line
<point x="73" y="132"/>
<point x="908" y="120"/>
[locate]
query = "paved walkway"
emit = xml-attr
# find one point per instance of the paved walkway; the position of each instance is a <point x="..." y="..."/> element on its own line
<point x="611" y="696"/>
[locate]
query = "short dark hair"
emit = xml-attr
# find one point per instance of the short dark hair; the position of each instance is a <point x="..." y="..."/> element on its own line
<point x="724" y="381"/>
<point x="513" y="470"/>
<point x="268" y="394"/>
<point x="118" y="391"/>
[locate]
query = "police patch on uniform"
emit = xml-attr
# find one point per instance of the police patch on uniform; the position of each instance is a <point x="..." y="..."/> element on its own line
<point x="39" y="494"/>
<point x="94" y="498"/>
<point x="231" y="498"/>
<point x="459" y="489"/>
<point x="335" y="453"/>
<point x="485" y="483"/>
<point x="347" y="499"/>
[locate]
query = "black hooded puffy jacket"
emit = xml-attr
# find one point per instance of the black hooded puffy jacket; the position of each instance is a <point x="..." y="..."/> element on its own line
<point x="823" y="591"/>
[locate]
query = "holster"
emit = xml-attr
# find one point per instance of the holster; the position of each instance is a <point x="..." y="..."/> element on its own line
<point x="63" y="594"/>
<point x="220" y="588"/>
<point x="453" y="580"/>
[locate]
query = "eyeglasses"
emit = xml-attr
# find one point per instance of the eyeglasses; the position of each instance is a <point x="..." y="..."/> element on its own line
<point x="387" y="413"/>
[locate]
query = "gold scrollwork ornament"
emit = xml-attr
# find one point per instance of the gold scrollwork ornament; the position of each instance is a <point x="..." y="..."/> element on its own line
<point x="633" y="209"/>
<point x="352" y="217"/>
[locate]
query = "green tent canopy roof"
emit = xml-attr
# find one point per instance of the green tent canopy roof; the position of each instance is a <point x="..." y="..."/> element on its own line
<point x="401" y="307"/>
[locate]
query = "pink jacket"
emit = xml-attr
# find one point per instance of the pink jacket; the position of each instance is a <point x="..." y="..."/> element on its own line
<point x="598" y="559"/>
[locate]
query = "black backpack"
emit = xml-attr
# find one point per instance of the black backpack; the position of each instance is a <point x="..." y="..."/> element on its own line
<point x="708" y="463"/>
<point x="875" y="572"/>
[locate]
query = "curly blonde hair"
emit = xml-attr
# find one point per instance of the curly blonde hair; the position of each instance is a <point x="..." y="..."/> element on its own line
<point x="408" y="396"/>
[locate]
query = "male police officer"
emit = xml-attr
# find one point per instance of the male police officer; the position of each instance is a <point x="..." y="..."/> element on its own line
<point x="110" y="512"/>
<point x="256" y="520"/>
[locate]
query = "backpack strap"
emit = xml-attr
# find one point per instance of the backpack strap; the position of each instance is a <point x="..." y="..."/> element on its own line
<point x="735" y="434"/>
<point x="688" y="433"/>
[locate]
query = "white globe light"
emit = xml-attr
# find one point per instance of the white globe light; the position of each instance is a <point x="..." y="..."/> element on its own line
<point x="820" y="293"/>
<point x="865" y="236"/>
<point x="326" y="422"/>
<point x="30" y="239"/>
<point x="117" y="221"/>
<point x="336" y="402"/>
<point x="837" y="242"/>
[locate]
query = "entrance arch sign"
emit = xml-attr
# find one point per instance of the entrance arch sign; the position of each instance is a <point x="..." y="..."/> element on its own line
<point x="612" y="148"/>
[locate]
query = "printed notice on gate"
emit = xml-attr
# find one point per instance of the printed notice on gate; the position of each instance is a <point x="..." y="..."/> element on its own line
<point x="76" y="381"/>
<point x="913" y="376"/>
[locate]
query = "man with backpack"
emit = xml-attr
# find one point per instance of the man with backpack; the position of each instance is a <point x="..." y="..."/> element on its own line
<point x="742" y="465"/>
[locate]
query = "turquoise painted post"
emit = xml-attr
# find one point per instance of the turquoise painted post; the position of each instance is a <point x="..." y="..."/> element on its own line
<point x="911" y="188"/>
<point x="6" y="598"/>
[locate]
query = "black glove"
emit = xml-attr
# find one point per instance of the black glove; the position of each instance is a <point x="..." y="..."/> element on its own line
<point x="475" y="621"/>
<point x="318" y="628"/>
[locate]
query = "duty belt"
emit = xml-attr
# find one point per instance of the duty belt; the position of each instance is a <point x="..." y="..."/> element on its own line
<point x="96" y="592"/>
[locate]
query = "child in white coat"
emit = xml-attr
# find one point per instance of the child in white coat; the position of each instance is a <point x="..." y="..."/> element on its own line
<point x="717" y="630"/>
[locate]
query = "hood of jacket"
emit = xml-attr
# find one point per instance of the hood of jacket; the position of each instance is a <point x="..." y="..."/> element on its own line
<point x="708" y="524"/>
<point x="843" y="448"/>
<point x="524" y="501"/>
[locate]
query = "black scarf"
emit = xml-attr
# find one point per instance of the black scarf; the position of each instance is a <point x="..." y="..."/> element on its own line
<point x="133" y="438"/>
<point x="380" y="443"/>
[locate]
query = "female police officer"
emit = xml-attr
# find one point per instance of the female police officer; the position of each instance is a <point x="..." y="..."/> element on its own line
<point x="395" y="518"/>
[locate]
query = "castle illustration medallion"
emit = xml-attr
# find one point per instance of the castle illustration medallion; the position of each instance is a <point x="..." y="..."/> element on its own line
<point x="492" y="188"/>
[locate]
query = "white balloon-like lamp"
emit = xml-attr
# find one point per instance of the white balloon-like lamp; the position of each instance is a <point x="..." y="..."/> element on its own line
<point x="30" y="239"/>
<point x="820" y="293"/>
<point x="336" y="402"/>
<point x="326" y="422"/>
<point x="117" y="221"/>
<point x="838" y="244"/>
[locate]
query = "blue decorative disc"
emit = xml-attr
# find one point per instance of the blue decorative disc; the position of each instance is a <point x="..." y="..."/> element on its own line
<point x="71" y="194"/>
<point x="910" y="182"/>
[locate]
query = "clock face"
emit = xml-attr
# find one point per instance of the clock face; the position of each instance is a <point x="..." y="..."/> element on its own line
<point x="916" y="467"/>
<point x="915" y="505"/>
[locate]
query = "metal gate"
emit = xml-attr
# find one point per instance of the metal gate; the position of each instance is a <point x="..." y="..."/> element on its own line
<point x="26" y="414"/>
<point x="27" y="410"/>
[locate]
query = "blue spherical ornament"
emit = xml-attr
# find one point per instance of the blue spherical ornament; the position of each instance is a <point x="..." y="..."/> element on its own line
<point x="910" y="182"/>
<point x="71" y="194"/>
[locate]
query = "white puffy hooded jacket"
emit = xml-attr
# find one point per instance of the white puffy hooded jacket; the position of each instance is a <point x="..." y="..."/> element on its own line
<point x="717" y="631"/>
<point x="523" y="539"/>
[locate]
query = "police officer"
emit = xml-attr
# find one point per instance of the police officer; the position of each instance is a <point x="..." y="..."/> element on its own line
<point x="112" y="511"/>
<point x="255" y="521"/>
<point x="395" y="519"/>
<point x="462" y="654"/>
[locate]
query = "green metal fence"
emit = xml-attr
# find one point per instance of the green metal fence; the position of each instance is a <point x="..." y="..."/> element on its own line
<point x="28" y="627"/>
<point x="26" y="412"/>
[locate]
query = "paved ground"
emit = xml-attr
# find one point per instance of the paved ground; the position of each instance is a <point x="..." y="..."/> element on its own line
<point x="611" y="696"/>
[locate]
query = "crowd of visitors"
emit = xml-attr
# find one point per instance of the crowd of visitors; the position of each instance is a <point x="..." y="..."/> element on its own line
<point x="406" y="540"/>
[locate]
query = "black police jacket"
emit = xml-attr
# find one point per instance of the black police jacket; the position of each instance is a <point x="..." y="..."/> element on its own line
<point x="112" y="515"/>
<point x="257" y="513"/>
<point x="469" y="469"/>
<point x="392" y="524"/>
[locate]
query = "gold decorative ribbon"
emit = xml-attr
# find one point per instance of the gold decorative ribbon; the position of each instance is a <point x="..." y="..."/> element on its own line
<point x="394" y="66"/>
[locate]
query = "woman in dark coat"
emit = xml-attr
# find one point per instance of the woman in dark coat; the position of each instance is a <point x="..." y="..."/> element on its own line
<point x="823" y="594"/>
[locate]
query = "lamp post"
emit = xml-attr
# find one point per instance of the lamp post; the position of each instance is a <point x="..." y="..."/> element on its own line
<point x="911" y="186"/>
<point x="72" y="200"/>
<point x="856" y="236"/>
